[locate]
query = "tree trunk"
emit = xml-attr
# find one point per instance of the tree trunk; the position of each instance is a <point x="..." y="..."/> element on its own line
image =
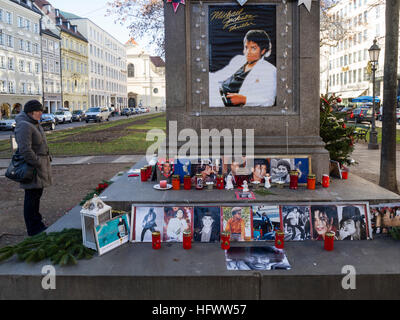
<point x="388" y="177"/>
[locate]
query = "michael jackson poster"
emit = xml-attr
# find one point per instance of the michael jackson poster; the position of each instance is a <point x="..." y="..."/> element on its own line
<point x="242" y="44"/>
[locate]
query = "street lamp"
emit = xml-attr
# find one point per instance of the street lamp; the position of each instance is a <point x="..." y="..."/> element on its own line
<point x="374" y="58"/>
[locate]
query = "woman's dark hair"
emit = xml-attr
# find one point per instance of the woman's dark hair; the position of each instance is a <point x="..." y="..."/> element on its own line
<point x="331" y="213"/>
<point x="262" y="39"/>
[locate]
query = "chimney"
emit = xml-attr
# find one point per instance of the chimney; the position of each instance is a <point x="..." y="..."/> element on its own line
<point x="75" y="28"/>
<point x="57" y="13"/>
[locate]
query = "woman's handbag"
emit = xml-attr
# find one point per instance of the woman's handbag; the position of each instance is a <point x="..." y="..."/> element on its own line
<point x="19" y="170"/>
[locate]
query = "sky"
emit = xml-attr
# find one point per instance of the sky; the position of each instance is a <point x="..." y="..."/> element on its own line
<point x="95" y="10"/>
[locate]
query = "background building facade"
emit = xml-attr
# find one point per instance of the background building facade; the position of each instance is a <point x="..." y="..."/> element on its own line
<point x="345" y="68"/>
<point x="107" y="65"/>
<point x="146" y="78"/>
<point x="20" y="55"/>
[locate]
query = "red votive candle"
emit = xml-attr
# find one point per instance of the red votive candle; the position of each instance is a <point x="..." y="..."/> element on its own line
<point x="325" y="181"/>
<point x="156" y="240"/>
<point x="311" y="179"/>
<point x="294" y="180"/>
<point x="220" y="183"/>
<point x="187" y="182"/>
<point x="329" y="240"/>
<point x="176" y="182"/>
<point x="345" y="174"/>
<point x="149" y="169"/>
<point x="163" y="184"/>
<point x="225" y="240"/>
<point x="187" y="240"/>
<point x="279" y="240"/>
<point x="143" y="174"/>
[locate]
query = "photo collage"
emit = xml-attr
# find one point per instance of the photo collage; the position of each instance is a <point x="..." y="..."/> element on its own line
<point x="239" y="170"/>
<point x="252" y="223"/>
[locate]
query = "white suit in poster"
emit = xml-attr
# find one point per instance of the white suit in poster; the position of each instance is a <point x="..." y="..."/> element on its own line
<point x="259" y="87"/>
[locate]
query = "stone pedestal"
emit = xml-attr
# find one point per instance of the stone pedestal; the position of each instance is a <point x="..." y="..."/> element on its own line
<point x="292" y="125"/>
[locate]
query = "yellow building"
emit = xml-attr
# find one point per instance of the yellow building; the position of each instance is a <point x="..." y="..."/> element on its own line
<point x="74" y="62"/>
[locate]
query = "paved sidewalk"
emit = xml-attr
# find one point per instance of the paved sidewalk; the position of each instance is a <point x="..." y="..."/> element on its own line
<point x="82" y="160"/>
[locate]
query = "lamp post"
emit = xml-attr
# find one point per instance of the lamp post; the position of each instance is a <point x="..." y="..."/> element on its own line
<point x="374" y="58"/>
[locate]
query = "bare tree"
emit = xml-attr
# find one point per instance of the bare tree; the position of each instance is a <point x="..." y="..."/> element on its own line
<point x="144" y="18"/>
<point x="388" y="177"/>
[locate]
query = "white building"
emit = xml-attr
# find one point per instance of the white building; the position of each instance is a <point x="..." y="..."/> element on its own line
<point x="20" y="55"/>
<point x="146" y="77"/>
<point x="344" y="68"/>
<point x="107" y="65"/>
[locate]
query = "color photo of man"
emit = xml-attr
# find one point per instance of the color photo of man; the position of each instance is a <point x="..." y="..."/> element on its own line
<point x="237" y="221"/>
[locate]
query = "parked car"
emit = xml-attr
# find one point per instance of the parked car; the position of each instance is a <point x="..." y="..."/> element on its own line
<point x="398" y="115"/>
<point x="97" y="114"/>
<point x="143" y="110"/>
<point x="63" y="116"/>
<point x="137" y="109"/>
<point x="8" y="123"/>
<point x="48" y="121"/>
<point x="133" y="111"/>
<point x="363" y="115"/>
<point x="126" y="112"/>
<point x="78" y="115"/>
<point x="112" y="111"/>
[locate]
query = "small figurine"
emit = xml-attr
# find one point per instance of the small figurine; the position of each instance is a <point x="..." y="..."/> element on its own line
<point x="245" y="187"/>
<point x="267" y="179"/>
<point x="229" y="183"/>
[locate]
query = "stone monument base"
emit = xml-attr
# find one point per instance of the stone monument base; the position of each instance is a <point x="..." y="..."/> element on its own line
<point x="135" y="271"/>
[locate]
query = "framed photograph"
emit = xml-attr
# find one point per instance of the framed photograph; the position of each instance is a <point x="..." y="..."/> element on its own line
<point x="280" y="168"/>
<point x="145" y="221"/>
<point x="383" y="217"/>
<point x="242" y="55"/>
<point x="353" y="222"/>
<point x="256" y="258"/>
<point x="176" y="221"/>
<point x="245" y="195"/>
<point x="207" y="224"/>
<point x="238" y="221"/>
<point x="296" y="223"/>
<point x="266" y="220"/>
<point x="324" y="219"/>
<point x="112" y="234"/>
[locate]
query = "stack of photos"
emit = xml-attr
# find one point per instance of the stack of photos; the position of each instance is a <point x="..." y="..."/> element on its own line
<point x="384" y="217"/>
<point x="112" y="234"/>
<point x="256" y="223"/>
<point x="256" y="258"/>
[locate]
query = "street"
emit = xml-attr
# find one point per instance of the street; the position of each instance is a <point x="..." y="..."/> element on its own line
<point x="4" y="135"/>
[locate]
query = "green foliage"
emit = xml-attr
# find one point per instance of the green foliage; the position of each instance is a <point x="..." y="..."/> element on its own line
<point x="63" y="248"/>
<point x="263" y="192"/>
<point x="100" y="188"/>
<point x="338" y="138"/>
<point x="395" y="233"/>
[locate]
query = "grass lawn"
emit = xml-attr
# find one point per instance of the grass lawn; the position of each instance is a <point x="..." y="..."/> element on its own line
<point x="126" y="136"/>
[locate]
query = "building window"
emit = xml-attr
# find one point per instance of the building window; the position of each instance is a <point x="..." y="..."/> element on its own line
<point x="21" y="65"/>
<point x="10" y="41"/>
<point x="131" y="71"/>
<point x="11" y="63"/>
<point x="9" y="17"/>
<point x="11" y="87"/>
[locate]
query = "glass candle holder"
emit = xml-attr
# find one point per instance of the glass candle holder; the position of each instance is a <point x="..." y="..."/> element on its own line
<point x="187" y="240"/>
<point x="329" y="241"/>
<point x="199" y="182"/>
<point x="325" y="181"/>
<point x="294" y="180"/>
<point x="220" y="182"/>
<point x="225" y="240"/>
<point x="143" y="175"/>
<point x="156" y="240"/>
<point x="187" y="182"/>
<point x="279" y="240"/>
<point x="176" y="182"/>
<point x="149" y="170"/>
<point x="345" y="174"/>
<point x="311" y="181"/>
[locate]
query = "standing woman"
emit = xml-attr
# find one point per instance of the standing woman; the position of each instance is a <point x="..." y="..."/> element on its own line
<point x="32" y="145"/>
